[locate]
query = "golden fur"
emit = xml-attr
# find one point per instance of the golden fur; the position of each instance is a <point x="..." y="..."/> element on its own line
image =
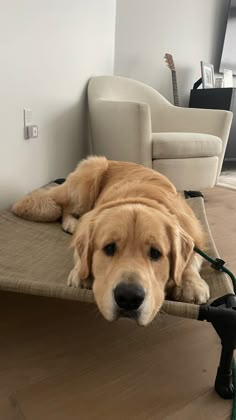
<point x="136" y="210"/>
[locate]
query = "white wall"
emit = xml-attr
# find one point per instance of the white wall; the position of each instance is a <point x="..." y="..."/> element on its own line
<point x="48" y="50"/>
<point x="190" y="30"/>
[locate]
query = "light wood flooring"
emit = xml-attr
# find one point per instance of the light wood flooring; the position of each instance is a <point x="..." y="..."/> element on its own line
<point x="60" y="360"/>
<point x="228" y="174"/>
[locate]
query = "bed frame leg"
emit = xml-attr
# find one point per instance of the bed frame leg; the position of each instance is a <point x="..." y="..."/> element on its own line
<point x="222" y="315"/>
<point x="224" y="377"/>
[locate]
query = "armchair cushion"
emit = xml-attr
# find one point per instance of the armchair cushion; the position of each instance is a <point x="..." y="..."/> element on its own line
<point x="185" y="145"/>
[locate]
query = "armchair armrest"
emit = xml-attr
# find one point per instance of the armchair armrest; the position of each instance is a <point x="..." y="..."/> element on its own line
<point x="210" y="121"/>
<point x="121" y="130"/>
<point x="196" y="120"/>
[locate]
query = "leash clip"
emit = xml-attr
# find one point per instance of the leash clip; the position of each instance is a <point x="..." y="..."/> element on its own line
<point x="218" y="264"/>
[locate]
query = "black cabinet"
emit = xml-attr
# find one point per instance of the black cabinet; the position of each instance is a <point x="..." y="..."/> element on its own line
<point x="222" y="98"/>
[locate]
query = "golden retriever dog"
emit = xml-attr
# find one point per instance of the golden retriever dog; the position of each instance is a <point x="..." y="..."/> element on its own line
<point x="134" y="236"/>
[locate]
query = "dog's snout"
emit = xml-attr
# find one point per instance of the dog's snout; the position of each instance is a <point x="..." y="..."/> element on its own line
<point x="129" y="296"/>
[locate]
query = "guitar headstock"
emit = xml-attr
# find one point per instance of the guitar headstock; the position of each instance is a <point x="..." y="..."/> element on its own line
<point x="169" y="61"/>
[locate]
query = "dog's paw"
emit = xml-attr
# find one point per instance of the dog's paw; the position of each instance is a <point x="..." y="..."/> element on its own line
<point x="74" y="280"/>
<point x="69" y="224"/>
<point x="192" y="291"/>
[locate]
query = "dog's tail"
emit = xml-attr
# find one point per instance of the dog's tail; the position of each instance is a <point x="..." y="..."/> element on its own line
<point x="41" y="205"/>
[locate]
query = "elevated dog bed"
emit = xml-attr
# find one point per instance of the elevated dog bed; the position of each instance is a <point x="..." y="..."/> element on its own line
<point x="35" y="258"/>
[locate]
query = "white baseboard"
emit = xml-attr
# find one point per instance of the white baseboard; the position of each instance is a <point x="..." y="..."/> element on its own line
<point x="228" y="186"/>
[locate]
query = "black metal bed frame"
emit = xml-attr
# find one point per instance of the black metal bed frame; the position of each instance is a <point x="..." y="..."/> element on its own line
<point x="221" y="313"/>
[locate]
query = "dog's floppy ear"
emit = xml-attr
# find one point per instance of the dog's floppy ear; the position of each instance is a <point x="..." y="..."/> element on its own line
<point x="181" y="249"/>
<point x="83" y="242"/>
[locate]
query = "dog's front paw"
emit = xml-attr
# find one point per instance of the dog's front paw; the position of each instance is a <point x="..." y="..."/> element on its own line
<point x="75" y="281"/>
<point x="192" y="291"/>
<point x="69" y="224"/>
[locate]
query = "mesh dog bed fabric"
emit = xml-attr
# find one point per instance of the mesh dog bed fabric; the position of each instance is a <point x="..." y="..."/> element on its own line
<point x="36" y="258"/>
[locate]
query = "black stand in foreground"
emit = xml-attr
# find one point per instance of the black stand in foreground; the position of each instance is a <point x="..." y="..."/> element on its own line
<point x="222" y="315"/>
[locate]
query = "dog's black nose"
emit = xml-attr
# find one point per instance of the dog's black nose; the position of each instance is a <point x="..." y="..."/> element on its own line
<point x="129" y="296"/>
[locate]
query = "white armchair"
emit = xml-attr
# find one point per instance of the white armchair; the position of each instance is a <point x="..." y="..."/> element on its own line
<point x="131" y="121"/>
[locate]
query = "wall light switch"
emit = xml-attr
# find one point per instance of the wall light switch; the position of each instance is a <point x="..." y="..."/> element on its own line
<point x="30" y="131"/>
<point x="27" y="117"/>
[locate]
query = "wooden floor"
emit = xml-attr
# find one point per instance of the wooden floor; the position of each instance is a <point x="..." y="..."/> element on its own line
<point x="61" y="361"/>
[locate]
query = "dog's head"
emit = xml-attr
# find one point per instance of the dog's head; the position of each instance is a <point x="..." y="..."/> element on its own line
<point x="132" y="250"/>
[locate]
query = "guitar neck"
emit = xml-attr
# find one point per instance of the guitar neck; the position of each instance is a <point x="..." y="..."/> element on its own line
<point x="175" y="88"/>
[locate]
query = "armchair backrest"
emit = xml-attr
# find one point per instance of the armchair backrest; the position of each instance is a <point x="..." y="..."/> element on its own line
<point x="123" y="89"/>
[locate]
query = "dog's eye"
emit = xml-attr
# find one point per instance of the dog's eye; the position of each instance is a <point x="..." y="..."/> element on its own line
<point x="110" y="249"/>
<point x="154" y="254"/>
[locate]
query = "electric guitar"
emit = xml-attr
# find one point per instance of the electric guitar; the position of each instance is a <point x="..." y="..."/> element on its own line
<point x="170" y="63"/>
